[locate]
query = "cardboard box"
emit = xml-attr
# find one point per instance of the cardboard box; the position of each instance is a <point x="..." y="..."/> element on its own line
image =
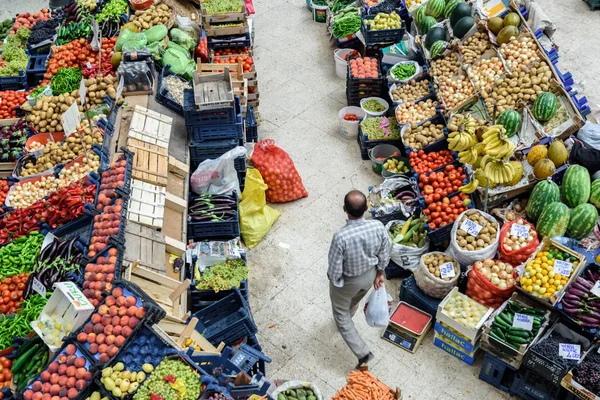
<point x="467" y="358"/>
<point x="459" y="342"/>
<point x="470" y="334"/>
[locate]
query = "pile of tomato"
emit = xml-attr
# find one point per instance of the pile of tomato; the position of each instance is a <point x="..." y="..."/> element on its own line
<point x="228" y="51"/>
<point x="247" y="61"/>
<point x="5" y="373"/>
<point x="4" y="188"/>
<point x="351" y="117"/>
<point x="445" y="211"/>
<point x="11" y="291"/>
<point x="440" y="184"/>
<point x="424" y="163"/>
<point x="9" y="101"/>
<point x="79" y="53"/>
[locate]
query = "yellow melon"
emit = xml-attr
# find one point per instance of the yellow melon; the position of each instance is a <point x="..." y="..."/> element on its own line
<point x="544" y="168"/>
<point x="557" y="153"/>
<point x="518" y="167"/>
<point x="536" y="154"/>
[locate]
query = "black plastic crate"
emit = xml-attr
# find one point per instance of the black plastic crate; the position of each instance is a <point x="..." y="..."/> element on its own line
<point x="36" y="68"/>
<point x="210" y="150"/>
<point x="251" y="125"/>
<point x="413" y="295"/>
<point x="383" y="36"/>
<point x="206" y="132"/>
<point x="14" y="82"/>
<point x="162" y="93"/>
<point x="497" y="373"/>
<point x="531" y="386"/>
<point x="441" y="235"/>
<point x="40" y="48"/>
<point x="193" y="117"/>
<point x="393" y="270"/>
<point x="215" y="229"/>
<point x="199" y="299"/>
<point x="222" y="42"/>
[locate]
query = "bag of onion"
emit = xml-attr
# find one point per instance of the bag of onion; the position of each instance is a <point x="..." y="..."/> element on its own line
<point x="437" y="274"/>
<point x="474" y="237"/>
<point x="491" y="282"/>
<point x="518" y="241"/>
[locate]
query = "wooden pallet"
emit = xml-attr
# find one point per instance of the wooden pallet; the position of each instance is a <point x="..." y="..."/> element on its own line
<point x="150" y="126"/>
<point x="150" y="161"/>
<point x="169" y="293"/>
<point x="146" y="204"/>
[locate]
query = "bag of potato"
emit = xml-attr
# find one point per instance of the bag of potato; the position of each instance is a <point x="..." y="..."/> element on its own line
<point x="474" y="236"/>
<point x="437" y="274"/>
<point x="407" y="244"/>
<point x="518" y="241"/>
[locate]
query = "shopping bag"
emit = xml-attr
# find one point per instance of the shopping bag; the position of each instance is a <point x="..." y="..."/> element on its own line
<point x="256" y="217"/>
<point x="278" y="171"/>
<point x="218" y="176"/>
<point x="377" y="311"/>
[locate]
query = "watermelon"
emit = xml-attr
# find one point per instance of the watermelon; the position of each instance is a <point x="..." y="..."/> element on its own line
<point x="582" y="220"/>
<point x="576" y="186"/>
<point x="435" y="8"/>
<point x="544" y="192"/>
<point x="436" y="33"/>
<point x="463" y="26"/>
<point x="554" y="220"/>
<point x="420" y="14"/>
<point x="595" y="193"/>
<point x="460" y="10"/>
<point x="427" y="23"/>
<point x="437" y="48"/>
<point x="511" y="121"/>
<point x="450" y="6"/>
<point x="544" y="106"/>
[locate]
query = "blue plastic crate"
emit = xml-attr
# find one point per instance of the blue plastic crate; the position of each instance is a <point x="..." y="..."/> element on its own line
<point x="411" y="294"/>
<point x="251" y="125"/>
<point x="206" y="132"/>
<point x="36" y="68"/>
<point x="200" y="299"/>
<point x="497" y="373"/>
<point x="211" y="150"/>
<point x="228" y="320"/>
<point x="14" y="82"/>
<point x="530" y="386"/>
<point x="217" y="365"/>
<point x="193" y="117"/>
<point x="250" y="360"/>
<point x="162" y="93"/>
<point x="215" y="229"/>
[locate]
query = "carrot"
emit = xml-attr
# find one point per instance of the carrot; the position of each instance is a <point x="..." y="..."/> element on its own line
<point x="363" y="385"/>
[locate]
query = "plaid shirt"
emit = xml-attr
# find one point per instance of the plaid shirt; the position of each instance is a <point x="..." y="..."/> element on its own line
<point x="357" y="247"/>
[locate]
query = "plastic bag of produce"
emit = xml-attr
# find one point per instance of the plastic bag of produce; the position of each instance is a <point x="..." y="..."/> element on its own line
<point x="474" y="237"/>
<point x="404" y="71"/>
<point x="407" y="244"/>
<point x="188" y="26"/>
<point x="437" y="274"/>
<point x="377" y="312"/>
<point x="182" y="39"/>
<point x="125" y="35"/>
<point x="485" y="292"/>
<point x="295" y="386"/>
<point x="256" y="217"/>
<point x="218" y="176"/>
<point x="518" y="241"/>
<point x="278" y="171"/>
<point x="180" y="63"/>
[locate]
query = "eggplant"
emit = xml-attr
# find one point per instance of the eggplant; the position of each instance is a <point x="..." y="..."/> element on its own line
<point x="585" y="283"/>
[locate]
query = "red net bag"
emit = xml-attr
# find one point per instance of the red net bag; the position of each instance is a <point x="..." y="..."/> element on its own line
<point x="278" y="171"/>
<point x="514" y="251"/>
<point x="485" y="292"/>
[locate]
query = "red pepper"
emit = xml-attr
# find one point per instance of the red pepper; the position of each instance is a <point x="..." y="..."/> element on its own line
<point x="169" y="378"/>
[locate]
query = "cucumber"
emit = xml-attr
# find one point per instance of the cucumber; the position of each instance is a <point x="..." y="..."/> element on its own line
<point x="498" y="320"/>
<point x="519" y="333"/>
<point x="517" y="339"/>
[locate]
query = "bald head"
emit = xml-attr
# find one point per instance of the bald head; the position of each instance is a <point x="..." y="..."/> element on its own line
<point x="355" y="204"/>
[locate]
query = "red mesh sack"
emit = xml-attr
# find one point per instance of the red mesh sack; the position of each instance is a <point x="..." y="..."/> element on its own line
<point x="278" y="171"/>
<point x="202" y="48"/>
<point x="484" y="292"/>
<point x="516" y="257"/>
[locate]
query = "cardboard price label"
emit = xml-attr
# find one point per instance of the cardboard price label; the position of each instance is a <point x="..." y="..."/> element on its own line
<point x="569" y="351"/>
<point x="70" y="119"/>
<point x="562" y="267"/>
<point x="596" y="289"/>
<point x="523" y="321"/>
<point x="472" y="228"/>
<point x="38" y="287"/>
<point x="447" y="270"/>
<point x="519" y="230"/>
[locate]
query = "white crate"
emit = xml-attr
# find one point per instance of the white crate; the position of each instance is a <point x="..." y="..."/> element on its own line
<point x="471" y="334"/>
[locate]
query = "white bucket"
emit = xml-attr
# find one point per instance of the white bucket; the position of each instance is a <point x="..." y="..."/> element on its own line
<point x="341" y="64"/>
<point x="319" y="13"/>
<point x="374" y="113"/>
<point x="349" y="129"/>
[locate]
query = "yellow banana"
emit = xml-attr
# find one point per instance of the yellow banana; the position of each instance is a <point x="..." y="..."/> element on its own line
<point x="470" y="187"/>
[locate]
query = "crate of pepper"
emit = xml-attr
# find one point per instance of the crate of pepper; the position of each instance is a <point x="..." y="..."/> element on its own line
<point x="513" y="328"/>
<point x="382" y="27"/>
<point x="213" y="216"/>
<point x="584" y="379"/>
<point x="558" y="351"/>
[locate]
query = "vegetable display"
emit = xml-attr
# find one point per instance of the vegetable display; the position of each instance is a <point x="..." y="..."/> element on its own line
<point x="410" y="233"/>
<point x="498" y="273"/>
<point x="5" y="27"/>
<point x="66" y="80"/>
<point x="378" y="128"/>
<point x="222" y="276"/>
<point x="151" y="16"/>
<point x="19" y="325"/>
<point x="423" y="162"/>
<point x="579" y="302"/>
<point x="162" y="382"/>
<point x="434" y="261"/>
<point x="411" y="91"/>
<point x="403" y="71"/>
<point x="416" y="112"/>
<point x="396" y="166"/>
<point x="12" y="141"/>
<point x="212" y="208"/>
<point x="30" y="359"/>
<point x="471" y="240"/>
<point x="503" y="330"/>
<point x="361" y="385"/>
<point x="247" y="61"/>
<point x="445" y="211"/>
<point x="436" y="185"/>
<point x="347" y="22"/>
<point x="373" y="105"/>
<point x="423" y="135"/>
<point x="18" y="257"/>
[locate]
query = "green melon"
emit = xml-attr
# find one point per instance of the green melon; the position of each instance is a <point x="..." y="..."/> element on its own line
<point x="433" y="35"/>
<point x="450" y="6"/>
<point x="582" y="220"/>
<point x="435" y="8"/>
<point x="506" y="34"/>
<point x="462" y="27"/>
<point x="426" y="24"/>
<point x="494" y="24"/>
<point x="576" y="186"/>
<point x="554" y="220"/>
<point x="545" y="106"/>
<point x="511" y="19"/>
<point x="437" y="48"/>
<point x="511" y="121"/>
<point x="544" y="193"/>
<point x="595" y="193"/>
<point x="460" y="11"/>
<point x="420" y="14"/>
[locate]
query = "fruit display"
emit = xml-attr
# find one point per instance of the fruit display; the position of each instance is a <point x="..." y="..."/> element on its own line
<point x="414" y="113"/>
<point x="511" y="121"/>
<point x="222" y="276"/>
<point x="9" y="101"/>
<point x="462" y="132"/>
<point x="476" y="231"/>
<point x="545" y="106"/>
<point x="548" y="272"/>
<point x="503" y="329"/>
<point x="422" y="135"/>
<point x="121" y="382"/>
<point x="445" y="67"/>
<point x="445" y="211"/>
<point x="383" y="21"/>
<point x="291" y="394"/>
<point x="410" y="233"/>
<point x="395" y="166"/>
<point x="363" y="68"/>
<point x="520" y="52"/>
<point x="548" y="347"/>
<point x="410" y="91"/>
<point x="576" y="186"/>
<point x="586" y="373"/>
<point x="464" y="310"/>
<point x="435" y="185"/>
<point x="161" y="382"/>
<point x="437" y="48"/>
<point x="99" y="275"/>
<point x="474" y="46"/>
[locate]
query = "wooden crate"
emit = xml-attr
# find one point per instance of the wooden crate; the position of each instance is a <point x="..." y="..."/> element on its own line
<point x="236" y="70"/>
<point x="213" y="29"/>
<point x="170" y="294"/>
<point x="240" y="89"/>
<point x="150" y="126"/>
<point x="175" y="225"/>
<point x="213" y="90"/>
<point x="180" y="332"/>
<point x="150" y="161"/>
<point x="146" y="204"/>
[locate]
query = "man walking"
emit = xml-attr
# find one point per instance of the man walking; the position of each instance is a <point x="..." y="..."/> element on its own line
<point x="358" y="254"/>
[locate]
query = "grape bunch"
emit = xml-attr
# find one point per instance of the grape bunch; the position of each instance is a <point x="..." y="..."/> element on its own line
<point x="176" y="370"/>
<point x="588" y="372"/>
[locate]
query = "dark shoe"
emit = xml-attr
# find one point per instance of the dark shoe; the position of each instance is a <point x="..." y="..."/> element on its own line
<point x="365" y="360"/>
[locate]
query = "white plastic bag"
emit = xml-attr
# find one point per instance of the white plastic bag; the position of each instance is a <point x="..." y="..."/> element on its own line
<point x="468" y="257"/>
<point x="218" y="176"/>
<point x="405" y="256"/>
<point x="377" y="310"/>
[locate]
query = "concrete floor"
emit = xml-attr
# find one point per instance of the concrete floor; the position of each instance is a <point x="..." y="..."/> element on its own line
<point x="299" y="101"/>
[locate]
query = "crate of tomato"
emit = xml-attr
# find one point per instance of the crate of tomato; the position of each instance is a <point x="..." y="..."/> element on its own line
<point x="441" y="182"/>
<point x="10" y="103"/>
<point x="442" y="213"/>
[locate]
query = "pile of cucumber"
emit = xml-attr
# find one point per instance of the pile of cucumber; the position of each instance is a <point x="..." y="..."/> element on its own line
<point x="502" y="327"/>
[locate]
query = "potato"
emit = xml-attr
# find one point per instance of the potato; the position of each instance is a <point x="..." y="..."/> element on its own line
<point x="433" y="262"/>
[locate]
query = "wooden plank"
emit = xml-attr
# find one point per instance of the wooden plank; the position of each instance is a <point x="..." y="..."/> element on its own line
<point x="177" y="167"/>
<point x="150" y="162"/>
<point x="175" y="203"/>
<point x="174" y="246"/>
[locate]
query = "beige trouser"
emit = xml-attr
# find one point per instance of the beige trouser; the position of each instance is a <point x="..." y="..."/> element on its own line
<point x="344" y="303"/>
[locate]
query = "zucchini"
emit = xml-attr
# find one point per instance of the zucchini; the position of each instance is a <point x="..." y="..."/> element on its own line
<point x="508" y="319"/>
<point x="502" y="322"/>
<point x="519" y="333"/>
<point x="24" y="359"/>
<point x="498" y="332"/>
<point x="517" y="339"/>
<point x="492" y="334"/>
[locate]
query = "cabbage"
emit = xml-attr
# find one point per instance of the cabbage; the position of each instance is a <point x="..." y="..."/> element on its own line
<point x="125" y="35"/>
<point x="135" y="43"/>
<point x="182" y="38"/>
<point x="180" y="63"/>
<point x="156" y="33"/>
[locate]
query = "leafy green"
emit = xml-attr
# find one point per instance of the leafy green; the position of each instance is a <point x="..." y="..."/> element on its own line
<point x="14" y="54"/>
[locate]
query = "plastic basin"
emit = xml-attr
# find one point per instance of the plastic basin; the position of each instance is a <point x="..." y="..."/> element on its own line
<point x="374" y="113"/>
<point x="386" y="174"/>
<point x="380" y="153"/>
<point x="349" y="129"/>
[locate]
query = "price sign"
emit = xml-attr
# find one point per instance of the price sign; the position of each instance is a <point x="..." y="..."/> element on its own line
<point x="38" y="287"/>
<point x="119" y="88"/>
<point x="70" y="119"/>
<point x="519" y="230"/>
<point x="523" y="321"/>
<point x="596" y="289"/>
<point x="562" y="267"/>
<point x="447" y="270"/>
<point x="95" y="43"/>
<point x="472" y="228"/>
<point x="569" y="351"/>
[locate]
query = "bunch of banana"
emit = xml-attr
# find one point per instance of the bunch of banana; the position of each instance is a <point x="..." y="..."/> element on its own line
<point x="496" y="143"/>
<point x="470" y="187"/>
<point x="497" y="171"/>
<point x="468" y="156"/>
<point x="462" y="136"/>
